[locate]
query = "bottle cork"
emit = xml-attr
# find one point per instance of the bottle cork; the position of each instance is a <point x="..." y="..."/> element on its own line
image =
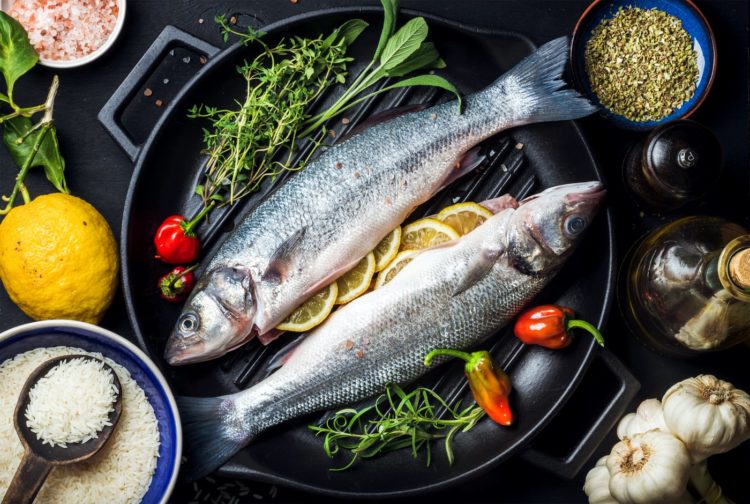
<point x="739" y="269"/>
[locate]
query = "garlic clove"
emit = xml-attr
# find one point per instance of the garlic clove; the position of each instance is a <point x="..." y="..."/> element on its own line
<point x="651" y="467"/>
<point x="597" y="484"/>
<point x="709" y="415"/>
<point x="649" y="416"/>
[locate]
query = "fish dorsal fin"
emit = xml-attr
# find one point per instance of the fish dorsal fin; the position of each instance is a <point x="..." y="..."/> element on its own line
<point x="284" y="258"/>
<point x="478" y="268"/>
<point x="381" y="117"/>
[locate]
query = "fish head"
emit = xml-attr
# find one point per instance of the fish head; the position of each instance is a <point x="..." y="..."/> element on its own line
<point x="546" y="227"/>
<point x="216" y="318"/>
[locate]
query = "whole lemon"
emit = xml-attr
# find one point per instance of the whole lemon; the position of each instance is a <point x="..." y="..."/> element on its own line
<point x="58" y="259"/>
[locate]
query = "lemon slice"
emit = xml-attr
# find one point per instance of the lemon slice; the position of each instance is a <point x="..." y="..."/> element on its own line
<point x="426" y="233"/>
<point x="312" y="312"/>
<point x="387" y="249"/>
<point x="401" y="260"/>
<point x="356" y="281"/>
<point x="464" y="217"/>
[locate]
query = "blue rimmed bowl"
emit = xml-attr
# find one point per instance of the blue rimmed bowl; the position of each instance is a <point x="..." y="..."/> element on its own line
<point x="91" y="338"/>
<point x="694" y="23"/>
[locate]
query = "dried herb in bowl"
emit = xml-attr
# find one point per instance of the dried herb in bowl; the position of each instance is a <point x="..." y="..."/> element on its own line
<point x="641" y="64"/>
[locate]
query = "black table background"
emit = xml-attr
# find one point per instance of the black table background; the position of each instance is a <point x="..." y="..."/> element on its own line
<point x="99" y="172"/>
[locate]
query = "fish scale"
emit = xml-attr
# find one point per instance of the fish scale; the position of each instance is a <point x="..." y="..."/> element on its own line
<point x="451" y="296"/>
<point x="322" y="221"/>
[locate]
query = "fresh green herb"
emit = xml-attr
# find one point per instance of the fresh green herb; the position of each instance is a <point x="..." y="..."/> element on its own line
<point x="283" y="81"/>
<point x="30" y="144"/>
<point x="395" y="421"/>
<point x="641" y="64"/>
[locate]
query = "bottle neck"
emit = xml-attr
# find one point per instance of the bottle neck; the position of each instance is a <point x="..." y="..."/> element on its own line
<point x="734" y="268"/>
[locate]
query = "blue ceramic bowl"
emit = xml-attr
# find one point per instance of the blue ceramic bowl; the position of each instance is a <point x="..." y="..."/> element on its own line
<point x="144" y="372"/>
<point x="693" y="21"/>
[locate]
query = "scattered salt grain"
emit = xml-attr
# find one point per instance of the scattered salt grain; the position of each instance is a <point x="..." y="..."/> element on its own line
<point x="71" y="403"/>
<point x="64" y="30"/>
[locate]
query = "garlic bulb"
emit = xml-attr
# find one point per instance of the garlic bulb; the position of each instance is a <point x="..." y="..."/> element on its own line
<point x="709" y="415"/>
<point x="652" y="467"/>
<point x="647" y="417"/>
<point x="597" y="484"/>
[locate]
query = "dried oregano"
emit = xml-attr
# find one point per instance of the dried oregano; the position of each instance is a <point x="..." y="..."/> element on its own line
<point x="641" y="64"/>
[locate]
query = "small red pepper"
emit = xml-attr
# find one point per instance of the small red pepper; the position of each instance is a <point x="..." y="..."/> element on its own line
<point x="489" y="383"/>
<point x="177" y="284"/>
<point x="175" y="239"/>
<point x="549" y="326"/>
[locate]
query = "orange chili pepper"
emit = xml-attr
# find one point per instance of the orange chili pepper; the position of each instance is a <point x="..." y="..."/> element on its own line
<point x="489" y="383"/>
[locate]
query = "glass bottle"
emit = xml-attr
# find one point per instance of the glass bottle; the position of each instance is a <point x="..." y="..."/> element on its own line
<point x="686" y="286"/>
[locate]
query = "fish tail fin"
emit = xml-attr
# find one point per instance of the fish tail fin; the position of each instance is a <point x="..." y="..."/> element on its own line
<point x="213" y="431"/>
<point x="538" y="78"/>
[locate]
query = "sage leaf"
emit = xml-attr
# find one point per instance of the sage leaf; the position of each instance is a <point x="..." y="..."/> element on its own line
<point x="48" y="156"/>
<point x="404" y="43"/>
<point x="390" y="11"/>
<point x="426" y="80"/>
<point x="350" y="30"/>
<point x="424" y="57"/>
<point x="17" y="55"/>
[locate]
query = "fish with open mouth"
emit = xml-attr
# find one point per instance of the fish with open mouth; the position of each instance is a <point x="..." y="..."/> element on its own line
<point x="320" y="223"/>
<point x="451" y="296"/>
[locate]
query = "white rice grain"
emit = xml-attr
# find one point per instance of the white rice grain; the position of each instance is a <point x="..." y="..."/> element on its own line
<point x="119" y="474"/>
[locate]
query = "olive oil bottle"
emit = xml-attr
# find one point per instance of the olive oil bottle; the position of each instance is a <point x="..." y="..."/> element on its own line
<point x="685" y="288"/>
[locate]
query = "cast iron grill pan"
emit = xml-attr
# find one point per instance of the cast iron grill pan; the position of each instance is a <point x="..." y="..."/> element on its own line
<point x="520" y="162"/>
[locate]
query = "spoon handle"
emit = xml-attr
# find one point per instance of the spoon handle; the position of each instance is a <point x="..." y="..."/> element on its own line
<point x="28" y="480"/>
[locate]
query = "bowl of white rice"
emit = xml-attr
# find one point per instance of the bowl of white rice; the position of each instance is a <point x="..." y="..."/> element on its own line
<point x="140" y="462"/>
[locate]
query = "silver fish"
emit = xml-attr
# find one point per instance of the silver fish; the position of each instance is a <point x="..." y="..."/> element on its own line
<point x="321" y="222"/>
<point x="451" y="296"/>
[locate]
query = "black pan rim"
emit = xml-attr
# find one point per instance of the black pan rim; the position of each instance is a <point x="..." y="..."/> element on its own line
<point x="243" y="473"/>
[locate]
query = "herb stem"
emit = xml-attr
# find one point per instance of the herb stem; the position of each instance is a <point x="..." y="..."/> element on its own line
<point x="19" y="185"/>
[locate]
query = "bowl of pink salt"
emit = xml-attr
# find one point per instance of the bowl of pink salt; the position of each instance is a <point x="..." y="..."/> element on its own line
<point x="69" y="33"/>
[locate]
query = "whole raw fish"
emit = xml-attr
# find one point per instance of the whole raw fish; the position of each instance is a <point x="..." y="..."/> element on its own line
<point x="450" y="296"/>
<point x="321" y="222"/>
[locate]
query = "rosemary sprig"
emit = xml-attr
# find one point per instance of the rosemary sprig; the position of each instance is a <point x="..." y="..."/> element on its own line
<point x="395" y="421"/>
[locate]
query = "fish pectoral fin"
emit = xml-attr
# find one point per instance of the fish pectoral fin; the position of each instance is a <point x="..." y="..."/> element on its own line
<point x="284" y="258"/>
<point x="477" y="269"/>
<point x="497" y="205"/>
<point x="466" y="163"/>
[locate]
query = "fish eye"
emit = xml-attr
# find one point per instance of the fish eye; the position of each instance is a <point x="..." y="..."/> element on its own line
<point x="188" y="324"/>
<point x="574" y="225"/>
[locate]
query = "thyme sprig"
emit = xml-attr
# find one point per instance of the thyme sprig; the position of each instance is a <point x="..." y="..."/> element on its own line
<point x="397" y="420"/>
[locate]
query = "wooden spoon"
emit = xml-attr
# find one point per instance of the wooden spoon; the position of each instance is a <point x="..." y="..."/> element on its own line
<point x="39" y="458"/>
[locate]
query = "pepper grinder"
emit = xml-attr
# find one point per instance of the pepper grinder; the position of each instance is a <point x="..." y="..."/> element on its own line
<point x="674" y="165"/>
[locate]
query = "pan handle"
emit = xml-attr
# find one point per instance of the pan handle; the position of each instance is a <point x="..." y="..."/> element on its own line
<point x="111" y="113"/>
<point x="569" y="466"/>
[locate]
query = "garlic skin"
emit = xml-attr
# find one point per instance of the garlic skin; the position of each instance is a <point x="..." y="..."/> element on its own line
<point x="649" y="468"/>
<point x="709" y="415"/>
<point x="648" y="416"/>
<point x="597" y="484"/>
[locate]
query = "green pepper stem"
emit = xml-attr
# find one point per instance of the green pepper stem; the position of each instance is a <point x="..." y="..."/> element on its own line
<point x="180" y="276"/>
<point x="446" y="351"/>
<point x="188" y="227"/>
<point x="582" y="324"/>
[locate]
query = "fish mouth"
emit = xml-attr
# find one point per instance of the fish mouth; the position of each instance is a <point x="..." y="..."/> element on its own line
<point x="179" y="355"/>
<point x="588" y="191"/>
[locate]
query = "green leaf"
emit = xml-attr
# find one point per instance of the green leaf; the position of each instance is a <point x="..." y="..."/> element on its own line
<point x="48" y="155"/>
<point x="390" y="12"/>
<point x="426" y="80"/>
<point x="350" y="30"/>
<point x="17" y="55"/>
<point x="404" y="43"/>
<point x="424" y="57"/>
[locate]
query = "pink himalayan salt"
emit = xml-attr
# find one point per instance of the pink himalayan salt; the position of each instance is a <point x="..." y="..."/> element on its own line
<point x="64" y="30"/>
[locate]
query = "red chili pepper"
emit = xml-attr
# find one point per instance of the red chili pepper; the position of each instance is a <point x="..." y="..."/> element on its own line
<point x="550" y="325"/>
<point x="175" y="240"/>
<point x="489" y="383"/>
<point x="177" y="284"/>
